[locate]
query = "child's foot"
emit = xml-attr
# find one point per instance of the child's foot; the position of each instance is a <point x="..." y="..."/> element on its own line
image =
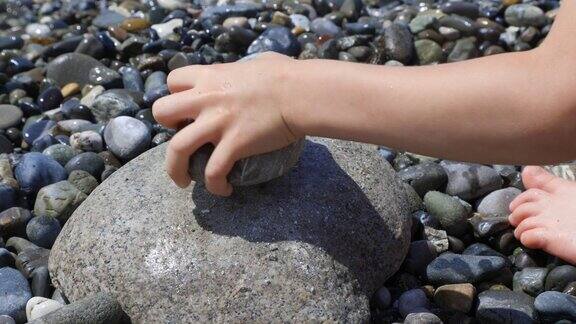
<point x="545" y="214"/>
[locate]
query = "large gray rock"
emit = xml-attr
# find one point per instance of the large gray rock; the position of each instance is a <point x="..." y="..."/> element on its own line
<point x="71" y="67"/>
<point x="312" y="245"/>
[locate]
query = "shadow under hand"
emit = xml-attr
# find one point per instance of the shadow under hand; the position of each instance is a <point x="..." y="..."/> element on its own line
<point x="317" y="203"/>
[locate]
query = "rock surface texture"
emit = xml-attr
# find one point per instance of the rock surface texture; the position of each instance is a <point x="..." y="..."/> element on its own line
<point x="312" y="245"/>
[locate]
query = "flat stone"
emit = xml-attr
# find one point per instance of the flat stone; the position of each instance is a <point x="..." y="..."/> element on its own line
<point x="456" y="297"/>
<point x="496" y="306"/>
<point x="450" y="268"/>
<point x="59" y="69"/>
<point x="530" y="280"/>
<point x="553" y="306"/>
<point x="30" y="256"/>
<point x="497" y="202"/>
<point x="37" y="170"/>
<point x="312" y="245"/>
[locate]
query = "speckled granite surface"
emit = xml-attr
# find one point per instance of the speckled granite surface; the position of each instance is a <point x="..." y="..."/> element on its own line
<point x="312" y="245"/>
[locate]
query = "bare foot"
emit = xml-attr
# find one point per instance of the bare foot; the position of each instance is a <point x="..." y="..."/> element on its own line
<point x="545" y="214"/>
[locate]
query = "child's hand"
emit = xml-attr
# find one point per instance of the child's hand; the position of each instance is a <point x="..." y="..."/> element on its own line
<point x="238" y="107"/>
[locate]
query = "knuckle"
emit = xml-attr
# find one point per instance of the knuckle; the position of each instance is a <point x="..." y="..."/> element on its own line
<point x="177" y="146"/>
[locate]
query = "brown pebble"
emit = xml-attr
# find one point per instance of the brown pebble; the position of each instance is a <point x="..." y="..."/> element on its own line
<point x="118" y="32"/>
<point x="134" y="24"/>
<point x="70" y="89"/>
<point x="456" y="297"/>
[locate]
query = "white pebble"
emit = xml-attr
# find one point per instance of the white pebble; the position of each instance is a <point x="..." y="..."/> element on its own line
<point x="168" y="27"/>
<point x="88" y="141"/>
<point x="37" y="307"/>
<point x="38" y="30"/>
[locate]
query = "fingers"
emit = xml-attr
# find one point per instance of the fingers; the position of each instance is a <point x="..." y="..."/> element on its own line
<point x="531" y="195"/>
<point x="174" y="110"/>
<point x="184" y="78"/>
<point x="184" y="144"/>
<point x="522" y="212"/>
<point x="219" y="165"/>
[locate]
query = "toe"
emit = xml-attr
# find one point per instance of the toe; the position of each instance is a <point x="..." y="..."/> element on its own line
<point x="537" y="177"/>
<point x="535" y="238"/>
<point x="528" y="224"/>
<point x="530" y="195"/>
<point x="522" y="212"/>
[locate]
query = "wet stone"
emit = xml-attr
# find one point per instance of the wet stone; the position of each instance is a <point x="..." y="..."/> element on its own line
<point x="87" y="161"/>
<point x="14" y="293"/>
<point x="427" y="51"/>
<point x="59" y="68"/>
<point x="488" y="225"/>
<point x="523" y="15"/>
<point x="505" y="307"/>
<point x="449" y="211"/>
<point x="113" y="104"/>
<point x="105" y="77"/>
<point x="127" y="137"/>
<point x="13" y="222"/>
<point x="559" y="277"/>
<point x="497" y="202"/>
<point x="42" y="230"/>
<point x="553" y="306"/>
<point x="37" y="170"/>
<point x="530" y="280"/>
<point x="277" y="39"/>
<point x="87" y="141"/>
<point x="61" y="153"/>
<point x="10" y="116"/>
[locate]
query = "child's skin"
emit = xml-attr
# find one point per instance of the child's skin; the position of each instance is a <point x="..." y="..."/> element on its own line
<point x="514" y="108"/>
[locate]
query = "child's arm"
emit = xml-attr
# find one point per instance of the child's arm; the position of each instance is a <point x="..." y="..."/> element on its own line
<point x="511" y="108"/>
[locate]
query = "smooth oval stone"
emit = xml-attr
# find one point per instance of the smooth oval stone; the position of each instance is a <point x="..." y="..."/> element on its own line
<point x="41" y="285"/>
<point x="11" y="42"/>
<point x="464" y="25"/>
<point x="553" y="306"/>
<point x="91" y="46"/>
<point x="499" y="306"/>
<point x="13" y="221"/>
<point x="14" y="293"/>
<point x="497" y="202"/>
<point x="5" y="319"/>
<point x="462" y="8"/>
<point x="10" y="116"/>
<point x="37" y="170"/>
<point x="455" y="297"/>
<point x="58" y="200"/>
<point x="59" y="69"/>
<point x="50" y="99"/>
<point x="559" y="277"/>
<point x="131" y="79"/>
<point x="6" y="259"/>
<point x="424" y="177"/>
<point x="470" y="181"/>
<point x="275" y="39"/>
<point x="398" y="43"/>
<point x="383" y="298"/>
<point x="450" y="268"/>
<point x="345" y="253"/>
<point x="61" y="153"/>
<point x="530" y="280"/>
<point x="251" y="170"/>
<point x="127" y="137"/>
<point x="449" y="211"/>
<point x="42" y="230"/>
<point x="112" y="104"/>
<point x="34" y="129"/>
<point x="87" y="161"/>
<point x="324" y="26"/>
<point x="155" y="80"/>
<point x="108" y="18"/>
<point x="413" y="301"/>
<point x="423" y="22"/>
<point x="523" y="15"/>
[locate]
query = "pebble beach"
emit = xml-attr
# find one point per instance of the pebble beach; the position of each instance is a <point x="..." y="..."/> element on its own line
<point x="78" y="79"/>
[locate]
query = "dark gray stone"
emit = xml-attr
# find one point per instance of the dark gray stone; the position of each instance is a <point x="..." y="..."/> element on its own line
<point x="10" y="116"/>
<point x="313" y="244"/>
<point x="424" y="177"/>
<point x="530" y="280"/>
<point x="560" y="277"/>
<point x="497" y="203"/>
<point x="97" y="308"/>
<point x="61" y="72"/>
<point x="112" y="104"/>
<point x="252" y="170"/>
<point x="450" y="268"/>
<point x="413" y="301"/>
